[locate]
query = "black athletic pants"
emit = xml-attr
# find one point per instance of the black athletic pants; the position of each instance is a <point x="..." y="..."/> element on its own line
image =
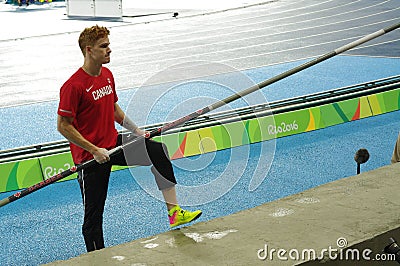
<point x="94" y="184"/>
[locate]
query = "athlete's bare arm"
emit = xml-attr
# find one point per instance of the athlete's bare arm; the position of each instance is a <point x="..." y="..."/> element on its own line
<point x="123" y="120"/>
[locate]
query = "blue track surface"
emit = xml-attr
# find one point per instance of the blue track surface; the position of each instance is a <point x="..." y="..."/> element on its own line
<point x="45" y="226"/>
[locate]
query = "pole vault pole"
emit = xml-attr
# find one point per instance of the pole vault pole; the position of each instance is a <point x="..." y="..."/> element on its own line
<point x="206" y="109"/>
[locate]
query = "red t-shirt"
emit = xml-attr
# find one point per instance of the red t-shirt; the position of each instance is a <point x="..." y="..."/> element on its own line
<point x="90" y="101"/>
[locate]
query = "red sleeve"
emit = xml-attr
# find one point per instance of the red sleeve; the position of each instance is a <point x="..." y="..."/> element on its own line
<point x="69" y="99"/>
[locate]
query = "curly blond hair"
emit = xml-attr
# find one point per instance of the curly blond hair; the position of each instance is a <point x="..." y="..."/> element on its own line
<point x="89" y="36"/>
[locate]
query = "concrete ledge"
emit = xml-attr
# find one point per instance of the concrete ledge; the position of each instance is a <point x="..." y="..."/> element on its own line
<point x="361" y="211"/>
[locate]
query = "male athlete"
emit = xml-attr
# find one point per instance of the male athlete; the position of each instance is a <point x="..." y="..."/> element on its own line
<point x="87" y="113"/>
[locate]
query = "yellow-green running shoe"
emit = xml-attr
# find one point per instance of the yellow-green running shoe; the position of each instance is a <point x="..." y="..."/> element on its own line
<point x="177" y="216"/>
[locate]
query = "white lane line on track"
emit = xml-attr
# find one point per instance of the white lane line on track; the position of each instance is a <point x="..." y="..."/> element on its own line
<point x="219" y="51"/>
<point x="178" y="40"/>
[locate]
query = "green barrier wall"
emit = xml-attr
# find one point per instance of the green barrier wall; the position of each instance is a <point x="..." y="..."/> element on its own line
<point x="55" y="164"/>
<point x="250" y="131"/>
<point x="23" y="174"/>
